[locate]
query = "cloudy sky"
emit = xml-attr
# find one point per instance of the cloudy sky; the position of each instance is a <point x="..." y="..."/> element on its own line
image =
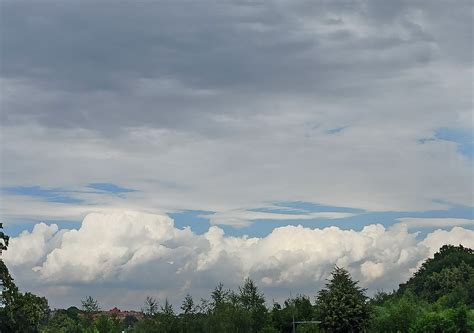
<point x="159" y="147"/>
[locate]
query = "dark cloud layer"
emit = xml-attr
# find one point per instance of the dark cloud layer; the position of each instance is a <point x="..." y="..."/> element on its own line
<point x="202" y="58"/>
<point x="231" y="97"/>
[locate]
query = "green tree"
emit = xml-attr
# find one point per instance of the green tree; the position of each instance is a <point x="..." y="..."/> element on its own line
<point x="151" y="306"/>
<point x="90" y="305"/>
<point x="437" y="322"/>
<point x="9" y="296"/>
<point x="8" y="288"/>
<point x="90" y="308"/>
<point x="166" y="319"/>
<point x="397" y="314"/>
<point x="188" y="315"/>
<point x="31" y="312"/>
<point x="342" y="306"/>
<point x="298" y="308"/>
<point x="60" y="322"/>
<point x="73" y="313"/>
<point x="4" y="239"/>
<point x="253" y="302"/>
<point x="303" y="309"/>
<point x="167" y="308"/>
<point x="105" y="324"/>
<point x="437" y="298"/>
<point x="188" y="306"/>
<point x="18" y="312"/>
<point x="129" y="322"/>
<point x="218" y="295"/>
<point x="450" y="270"/>
<point x="226" y="313"/>
<point x="380" y="297"/>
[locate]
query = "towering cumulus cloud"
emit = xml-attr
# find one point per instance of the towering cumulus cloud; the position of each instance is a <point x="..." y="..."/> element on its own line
<point x="121" y="249"/>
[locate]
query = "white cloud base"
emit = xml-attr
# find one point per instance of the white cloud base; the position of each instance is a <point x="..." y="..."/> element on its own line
<point x="121" y="257"/>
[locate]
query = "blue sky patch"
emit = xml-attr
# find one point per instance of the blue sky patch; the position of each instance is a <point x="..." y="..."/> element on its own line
<point x="46" y="194"/>
<point x="16" y="228"/>
<point x="263" y="227"/>
<point x="425" y="140"/>
<point x="110" y="188"/>
<point x="301" y="206"/>
<point x="193" y="219"/>
<point x="336" y="130"/>
<point x="462" y="136"/>
<point x="64" y="196"/>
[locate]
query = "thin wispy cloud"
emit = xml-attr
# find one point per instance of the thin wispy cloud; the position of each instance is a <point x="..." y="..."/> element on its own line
<point x="242" y="218"/>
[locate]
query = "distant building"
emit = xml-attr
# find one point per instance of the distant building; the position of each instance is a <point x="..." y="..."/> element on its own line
<point x="117" y="313"/>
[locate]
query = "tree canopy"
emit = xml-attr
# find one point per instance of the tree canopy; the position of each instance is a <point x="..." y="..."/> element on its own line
<point x="449" y="274"/>
<point x="342" y="305"/>
<point x="18" y="312"/>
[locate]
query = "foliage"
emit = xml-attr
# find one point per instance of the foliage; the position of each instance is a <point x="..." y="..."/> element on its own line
<point x="253" y="302"/>
<point x="4" y="239"/>
<point x="450" y="320"/>
<point x="30" y="312"/>
<point x="380" y="297"/>
<point x="60" y="322"/>
<point x="106" y="324"/>
<point x="438" y="298"/>
<point x="188" y="317"/>
<point x="129" y="322"/>
<point x="342" y="305"/>
<point x="397" y="314"/>
<point x="451" y="270"/>
<point x="188" y="306"/>
<point x="90" y="305"/>
<point x="298" y="309"/>
<point x="218" y="296"/>
<point x="151" y="307"/>
<point x="18" y="312"/>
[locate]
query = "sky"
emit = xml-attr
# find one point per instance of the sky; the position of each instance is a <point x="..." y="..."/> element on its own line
<point x="161" y="147"/>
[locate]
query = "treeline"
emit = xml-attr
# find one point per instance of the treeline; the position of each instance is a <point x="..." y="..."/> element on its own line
<point x="438" y="298"/>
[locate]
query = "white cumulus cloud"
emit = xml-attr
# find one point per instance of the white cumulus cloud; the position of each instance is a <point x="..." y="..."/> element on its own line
<point x="415" y="222"/>
<point x="146" y="251"/>
<point x="456" y="236"/>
